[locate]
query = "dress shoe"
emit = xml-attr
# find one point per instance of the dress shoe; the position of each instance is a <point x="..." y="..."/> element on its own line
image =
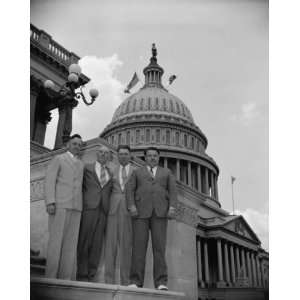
<point x="162" y="287"/>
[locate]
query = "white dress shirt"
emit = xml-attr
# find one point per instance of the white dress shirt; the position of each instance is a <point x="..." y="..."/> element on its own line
<point x="120" y="175"/>
<point x="98" y="167"/>
<point x="154" y="169"/>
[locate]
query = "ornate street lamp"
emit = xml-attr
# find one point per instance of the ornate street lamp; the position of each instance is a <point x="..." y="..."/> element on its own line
<point x="66" y="99"/>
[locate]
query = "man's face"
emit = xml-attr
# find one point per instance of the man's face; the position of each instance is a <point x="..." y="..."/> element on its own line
<point x="124" y="156"/>
<point x="103" y="155"/>
<point x="152" y="158"/>
<point x="74" y="145"/>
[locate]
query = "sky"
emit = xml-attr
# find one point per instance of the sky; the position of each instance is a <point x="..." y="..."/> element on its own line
<point x="218" y="50"/>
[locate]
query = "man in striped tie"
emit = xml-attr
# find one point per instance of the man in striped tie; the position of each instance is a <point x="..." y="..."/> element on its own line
<point x="119" y="227"/>
<point x="96" y="189"/>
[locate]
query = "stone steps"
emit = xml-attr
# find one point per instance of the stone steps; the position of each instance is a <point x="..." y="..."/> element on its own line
<point x="55" y="289"/>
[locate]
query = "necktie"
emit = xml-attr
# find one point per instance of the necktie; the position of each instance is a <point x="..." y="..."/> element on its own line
<point x="152" y="172"/>
<point x="102" y="176"/>
<point x="124" y="176"/>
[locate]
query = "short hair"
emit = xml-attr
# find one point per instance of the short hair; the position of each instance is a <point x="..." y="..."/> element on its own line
<point x="123" y="147"/>
<point x="151" y="148"/>
<point x="75" y="136"/>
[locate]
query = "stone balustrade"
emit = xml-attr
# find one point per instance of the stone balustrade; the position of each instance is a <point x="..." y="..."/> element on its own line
<point x="44" y="40"/>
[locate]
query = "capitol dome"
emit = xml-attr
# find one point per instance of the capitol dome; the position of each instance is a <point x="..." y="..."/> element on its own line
<point x="154" y="117"/>
<point x="152" y="100"/>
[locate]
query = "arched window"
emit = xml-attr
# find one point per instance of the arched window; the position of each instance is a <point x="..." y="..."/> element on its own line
<point x="142" y="104"/>
<point x="164" y="105"/>
<point x="198" y="146"/>
<point x="177" y="138"/>
<point x="128" y="138"/>
<point x="177" y="108"/>
<point x="192" y="143"/>
<point x="157" y="135"/>
<point x="134" y="105"/>
<point x="168" y="137"/>
<point x="149" y="103"/>
<point x="185" y="140"/>
<point x="148" y="135"/>
<point x="137" y="136"/>
<point x="120" y="139"/>
<point x="156" y="104"/>
<point x="171" y="106"/>
<point x="112" y="139"/>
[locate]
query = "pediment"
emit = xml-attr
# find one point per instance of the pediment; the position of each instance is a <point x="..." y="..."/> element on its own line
<point x="239" y="226"/>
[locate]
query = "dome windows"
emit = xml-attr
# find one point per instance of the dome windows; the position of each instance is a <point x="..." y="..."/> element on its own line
<point x="147" y="135"/>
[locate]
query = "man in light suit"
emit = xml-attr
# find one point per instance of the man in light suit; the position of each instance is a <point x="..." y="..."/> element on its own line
<point x="119" y="227"/>
<point x="63" y="196"/>
<point x="152" y="199"/>
<point x="96" y="189"/>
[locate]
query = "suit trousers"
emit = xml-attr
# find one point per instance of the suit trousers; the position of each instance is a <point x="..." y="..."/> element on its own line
<point x="141" y="227"/>
<point x="91" y="237"/>
<point x="62" y="244"/>
<point x="118" y="242"/>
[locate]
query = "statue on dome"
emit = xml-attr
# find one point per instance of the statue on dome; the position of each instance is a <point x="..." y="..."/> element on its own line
<point x="154" y="50"/>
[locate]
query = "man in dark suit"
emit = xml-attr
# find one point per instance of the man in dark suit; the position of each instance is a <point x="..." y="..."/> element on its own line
<point x="119" y="225"/>
<point x="96" y="190"/>
<point x="152" y="198"/>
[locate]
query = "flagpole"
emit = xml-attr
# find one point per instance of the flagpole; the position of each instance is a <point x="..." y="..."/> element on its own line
<point x="232" y="181"/>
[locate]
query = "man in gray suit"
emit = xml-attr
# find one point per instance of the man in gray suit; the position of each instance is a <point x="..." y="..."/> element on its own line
<point x="96" y="188"/>
<point x="63" y="196"/>
<point x="152" y="199"/>
<point x="119" y="227"/>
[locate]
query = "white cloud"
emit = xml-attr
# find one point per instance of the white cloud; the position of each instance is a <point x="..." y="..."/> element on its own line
<point x="259" y="223"/>
<point x="89" y="121"/>
<point x="249" y="112"/>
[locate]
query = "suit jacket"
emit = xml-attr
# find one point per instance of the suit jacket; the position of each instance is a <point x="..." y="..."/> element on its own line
<point x="150" y="194"/>
<point x="118" y="195"/>
<point x="93" y="194"/>
<point x="63" y="182"/>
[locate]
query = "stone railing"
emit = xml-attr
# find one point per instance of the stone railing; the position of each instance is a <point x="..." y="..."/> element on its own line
<point x="44" y="40"/>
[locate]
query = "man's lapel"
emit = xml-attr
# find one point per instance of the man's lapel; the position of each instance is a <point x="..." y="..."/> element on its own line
<point x="70" y="161"/>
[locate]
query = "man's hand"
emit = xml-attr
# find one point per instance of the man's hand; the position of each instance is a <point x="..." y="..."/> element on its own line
<point x="51" y="209"/>
<point x="133" y="211"/>
<point x="171" y="212"/>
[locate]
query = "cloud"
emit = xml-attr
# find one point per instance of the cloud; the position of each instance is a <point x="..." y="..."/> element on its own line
<point x="89" y="121"/>
<point x="259" y="222"/>
<point x="249" y="112"/>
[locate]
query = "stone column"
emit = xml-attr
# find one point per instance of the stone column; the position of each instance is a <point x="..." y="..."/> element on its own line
<point x="238" y="262"/>
<point x="206" y="266"/>
<point x="262" y="274"/>
<point x="178" y="169"/>
<point x="232" y="264"/>
<point x="216" y="189"/>
<point x="189" y="173"/>
<point x="220" y="261"/>
<point x="33" y="97"/>
<point x="212" y="184"/>
<point x="206" y="182"/>
<point x="249" y="273"/>
<point x="199" y="178"/>
<point x="253" y="269"/>
<point x="165" y="162"/>
<point x="258" y="271"/>
<point x="200" y="279"/>
<point x="243" y="262"/>
<point x="227" y="271"/>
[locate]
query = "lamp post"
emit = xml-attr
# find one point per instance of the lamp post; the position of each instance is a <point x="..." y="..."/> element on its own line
<point x="66" y="100"/>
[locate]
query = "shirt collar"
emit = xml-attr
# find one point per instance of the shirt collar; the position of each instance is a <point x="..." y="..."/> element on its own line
<point x="71" y="154"/>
